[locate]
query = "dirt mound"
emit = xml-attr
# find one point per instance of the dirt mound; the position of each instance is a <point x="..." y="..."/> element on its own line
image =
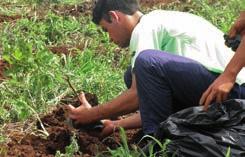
<point x="33" y="145"/>
<point x="6" y="18"/>
<point x="61" y="132"/>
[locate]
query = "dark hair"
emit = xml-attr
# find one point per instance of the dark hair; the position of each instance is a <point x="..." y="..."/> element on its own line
<point x="102" y="7"/>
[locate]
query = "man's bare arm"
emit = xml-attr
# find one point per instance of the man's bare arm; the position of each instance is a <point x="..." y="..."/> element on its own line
<point x="124" y="103"/>
<point x="220" y="88"/>
<point x="131" y="122"/>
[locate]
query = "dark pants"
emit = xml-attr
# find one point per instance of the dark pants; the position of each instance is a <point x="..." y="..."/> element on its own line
<point x="167" y="83"/>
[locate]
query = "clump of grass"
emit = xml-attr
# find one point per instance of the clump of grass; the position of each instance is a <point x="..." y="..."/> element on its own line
<point x="124" y="150"/>
<point x="70" y="150"/>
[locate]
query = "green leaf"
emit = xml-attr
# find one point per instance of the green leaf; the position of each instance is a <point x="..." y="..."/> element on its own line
<point x="18" y="54"/>
<point x="7" y="58"/>
<point x="228" y="153"/>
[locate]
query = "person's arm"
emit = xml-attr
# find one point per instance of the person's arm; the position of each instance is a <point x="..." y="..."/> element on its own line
<point x="125" y="103"/>
<point x="131" y="122"/>
<point x="221" y="87"/>
<point x="239" y="26"/>
<point x="237" y="62"/>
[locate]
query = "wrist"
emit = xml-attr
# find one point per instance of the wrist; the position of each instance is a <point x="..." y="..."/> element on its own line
<point x="97" y="114"/>
<point x="230" y="74"/>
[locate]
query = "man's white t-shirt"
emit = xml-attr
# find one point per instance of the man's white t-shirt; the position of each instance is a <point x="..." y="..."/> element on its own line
<point x="183" y="34"/>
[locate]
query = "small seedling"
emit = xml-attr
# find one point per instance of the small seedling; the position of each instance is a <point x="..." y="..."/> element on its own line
<point x="73" y="89"/>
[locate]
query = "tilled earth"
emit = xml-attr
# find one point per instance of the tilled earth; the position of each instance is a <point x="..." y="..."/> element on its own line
<point x="61" y="131"/>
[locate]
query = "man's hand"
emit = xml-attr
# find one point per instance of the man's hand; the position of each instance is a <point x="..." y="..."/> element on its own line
<point x="109" y="128"/>
<point x="80" y="114"/>
<point x="218" y="91"/>
<point x="239" y="26"/>
<point x="131" y="122"/>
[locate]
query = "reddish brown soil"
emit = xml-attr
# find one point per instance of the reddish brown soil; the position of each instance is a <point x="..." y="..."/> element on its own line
<point x="3" y="65"/>
<point x="74" y="10"/>
<point x="60" y="132"/>
<point x="67" y="49"/>
<point x="63" y="49"/>
<point x="150" y="3"/>
<point x="6" y="18"/>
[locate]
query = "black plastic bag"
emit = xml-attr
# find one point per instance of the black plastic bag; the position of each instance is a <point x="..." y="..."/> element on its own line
<point x="196" y="133"/>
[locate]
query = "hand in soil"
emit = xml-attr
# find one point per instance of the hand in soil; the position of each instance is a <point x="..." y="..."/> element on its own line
<point x="109" y="128"/>
<point x="81" y="113"/>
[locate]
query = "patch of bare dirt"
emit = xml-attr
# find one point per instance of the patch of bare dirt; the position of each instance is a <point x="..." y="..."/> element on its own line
<point x="64" y="49"/>
<point x="150" y="3"/>
<point x="84" y="8"/>
<point x="60" y="132"/>
<point x="6" y="18"/>
<point x="3" y="66"/>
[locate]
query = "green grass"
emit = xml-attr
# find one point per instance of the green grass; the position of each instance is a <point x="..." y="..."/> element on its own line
<point x="219" y="12"/>
<point x="69" y="150"/>
<point x="125" y="150"/>
<point x="36" y="75"/>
